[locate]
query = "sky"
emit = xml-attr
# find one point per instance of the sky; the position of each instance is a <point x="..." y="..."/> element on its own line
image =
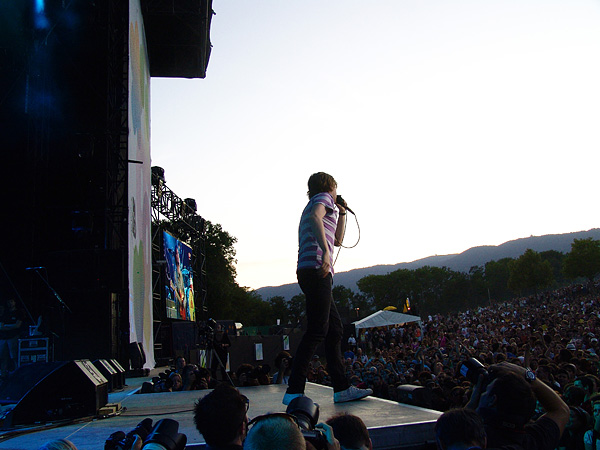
<point x="447" y="124"/>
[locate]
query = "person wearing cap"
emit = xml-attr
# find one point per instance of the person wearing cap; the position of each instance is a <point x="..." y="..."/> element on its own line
<point x="316" y="362"/>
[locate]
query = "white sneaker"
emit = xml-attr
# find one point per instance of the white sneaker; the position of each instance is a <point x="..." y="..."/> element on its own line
<point x="287" y="398"/>
<point x="350" y="394"/>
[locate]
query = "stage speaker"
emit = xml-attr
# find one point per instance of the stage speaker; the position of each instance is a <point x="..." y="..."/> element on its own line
<point x="137" y="356"/>
<point x="414" y="395"/>
<point x="54" y="391"/>
<point x="120" y="377"/>
<point x="108" y="371"/>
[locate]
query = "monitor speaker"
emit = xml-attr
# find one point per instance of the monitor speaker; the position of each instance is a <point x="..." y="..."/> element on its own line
<point x="53" y="391"/>
<point x="120" y="378"/>
<point x="108" y="371"/>
<point x="414" y="395"/>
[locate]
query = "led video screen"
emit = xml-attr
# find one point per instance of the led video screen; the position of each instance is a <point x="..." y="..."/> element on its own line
<point x="179" y="283"/>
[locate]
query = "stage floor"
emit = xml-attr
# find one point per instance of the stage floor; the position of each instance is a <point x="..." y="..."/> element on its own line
<point x="391" y="425"/>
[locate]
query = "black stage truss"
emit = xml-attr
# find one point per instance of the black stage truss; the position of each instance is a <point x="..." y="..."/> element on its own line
<point x="64" y="108"/>
<point x="179" y="216"/>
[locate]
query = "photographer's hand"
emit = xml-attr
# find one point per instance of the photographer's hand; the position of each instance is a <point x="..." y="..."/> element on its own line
<point x="285" y="364"/>
<point x="138" y="443"/>
<point x="332" y="442"/>
<point x="202" y="383"/>
<point x="476" y="394"/>
<point x="555" y="408"/>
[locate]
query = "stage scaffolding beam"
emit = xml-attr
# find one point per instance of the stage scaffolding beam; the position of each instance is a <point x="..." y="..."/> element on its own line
<point x="116" y="164"/>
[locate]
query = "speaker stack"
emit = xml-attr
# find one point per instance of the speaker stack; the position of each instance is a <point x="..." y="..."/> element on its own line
<point x="53" y="391"/>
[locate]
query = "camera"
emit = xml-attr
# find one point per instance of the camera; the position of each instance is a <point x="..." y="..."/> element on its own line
<point x="306" y="413"/>
<point x="261" y="369"/>
<point x="163" y="436"/>
<point x="211" y="324"/>
<point x="283" y="357"/>
<point x="206" y="333"/>
<point x="471" y="369"/>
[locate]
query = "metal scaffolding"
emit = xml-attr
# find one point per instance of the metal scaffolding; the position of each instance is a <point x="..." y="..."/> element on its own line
<point x="167" y="206"/>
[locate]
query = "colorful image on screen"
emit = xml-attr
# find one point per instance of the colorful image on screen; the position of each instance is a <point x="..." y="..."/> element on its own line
<point x="179" y="283"/>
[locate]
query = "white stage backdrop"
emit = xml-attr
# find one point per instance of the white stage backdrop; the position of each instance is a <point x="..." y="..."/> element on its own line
<point x="140" y="240"/>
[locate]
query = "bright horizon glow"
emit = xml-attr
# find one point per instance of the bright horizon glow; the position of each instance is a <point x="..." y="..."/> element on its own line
<point x="447" y="125"/>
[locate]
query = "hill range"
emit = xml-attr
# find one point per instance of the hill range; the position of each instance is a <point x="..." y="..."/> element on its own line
<point x="459" y="262"/>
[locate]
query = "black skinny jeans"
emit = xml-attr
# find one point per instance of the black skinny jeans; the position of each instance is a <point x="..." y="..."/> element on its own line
<point x="324" y="323"/>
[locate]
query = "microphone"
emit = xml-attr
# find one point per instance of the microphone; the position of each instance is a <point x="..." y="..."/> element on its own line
<point x="340" y="201"/>
<point x="34" y="268"/>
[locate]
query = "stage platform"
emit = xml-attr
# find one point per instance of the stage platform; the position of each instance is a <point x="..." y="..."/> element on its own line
<point x="391" y="425"/>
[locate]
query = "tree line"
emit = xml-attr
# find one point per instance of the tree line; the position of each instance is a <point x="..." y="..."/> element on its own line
<point x="429" y="290"/>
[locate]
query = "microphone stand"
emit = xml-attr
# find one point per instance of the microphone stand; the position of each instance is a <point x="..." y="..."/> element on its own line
<point x="63" y="307"/>
<point x="17" y="293"/>
<point x="60" y="300"/>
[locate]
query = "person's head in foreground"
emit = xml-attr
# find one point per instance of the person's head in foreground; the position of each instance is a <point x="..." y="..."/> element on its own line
<point x="58" y="444"/>
<point x="351" y="431"/>
<point x="221" y="418"/>
<point x="460" y="429"/>
<point x="274" y="432"/>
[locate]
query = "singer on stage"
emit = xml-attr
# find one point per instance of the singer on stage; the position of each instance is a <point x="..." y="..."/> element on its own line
<point x="321" y="228"/>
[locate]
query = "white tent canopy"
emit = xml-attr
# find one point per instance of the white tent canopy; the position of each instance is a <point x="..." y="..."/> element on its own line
<point x="385" y="318"/>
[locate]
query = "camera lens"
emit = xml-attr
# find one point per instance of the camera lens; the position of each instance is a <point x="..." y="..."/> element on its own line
<point x="166" y="436"/>
<point x="471" y="369"/>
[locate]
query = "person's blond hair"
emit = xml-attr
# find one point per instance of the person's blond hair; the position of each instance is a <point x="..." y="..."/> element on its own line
<point x="58" y="444"/>
<point x="274" y="432"/>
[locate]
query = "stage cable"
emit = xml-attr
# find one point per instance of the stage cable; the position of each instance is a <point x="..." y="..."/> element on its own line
<point x="164" y="413"/>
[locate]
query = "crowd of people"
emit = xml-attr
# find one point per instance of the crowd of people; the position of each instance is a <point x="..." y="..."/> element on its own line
<point x="536" y="388"/>
<point x="181" y="377"/>
<point x="553" y="333"/>
<point x="501" y="413"/>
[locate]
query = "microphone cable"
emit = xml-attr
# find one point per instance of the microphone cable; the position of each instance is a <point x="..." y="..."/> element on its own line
<point x="358" y="228"/>
<point x="352" y="246"/>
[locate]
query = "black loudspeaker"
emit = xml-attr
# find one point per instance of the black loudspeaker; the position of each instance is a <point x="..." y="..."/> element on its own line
<point x="45" y="392"/>
<point x="414" y="395"/>
<point x="108" y="371"/>
<point x="137" y="357"/>
<point x="142" y="352"/>
<point x="120" y="377"/>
